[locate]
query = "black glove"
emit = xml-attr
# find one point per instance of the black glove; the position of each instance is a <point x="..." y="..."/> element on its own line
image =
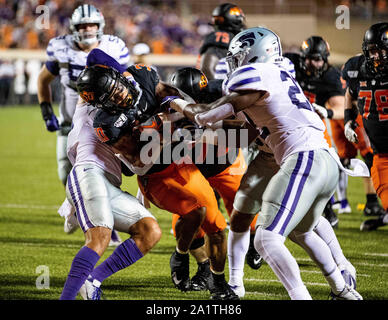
<point x="49" y="117"/>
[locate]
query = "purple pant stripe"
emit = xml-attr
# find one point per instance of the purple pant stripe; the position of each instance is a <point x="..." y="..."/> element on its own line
<point x="298" y="193"/>
<point x="69" y="183"/>
<point x="81" y="200"/>
<point x="288" y="192"/>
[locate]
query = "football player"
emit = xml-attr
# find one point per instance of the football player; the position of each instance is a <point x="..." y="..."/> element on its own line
<point x="366" y="78"/>
<point x="321" y="83"/>
<point x="174" y="187"/>
<point x="93" y="188"/>
<point x="296" y="195"/>
<point x="228" y="20"/>
<point x="223" y="177"/>
<point x="66" y="59"/>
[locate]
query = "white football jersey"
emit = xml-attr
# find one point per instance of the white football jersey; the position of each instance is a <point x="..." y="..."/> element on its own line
<point x="222" y="69"/>
<point x="285" y="118"/>
<point x="83" y="145"/>
<point x="67" y="60"/>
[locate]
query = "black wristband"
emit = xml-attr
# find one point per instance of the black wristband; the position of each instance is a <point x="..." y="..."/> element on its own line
<point x="330" y="113"/>
<point x="47" y="110"/>
<point x="350" y="115"/>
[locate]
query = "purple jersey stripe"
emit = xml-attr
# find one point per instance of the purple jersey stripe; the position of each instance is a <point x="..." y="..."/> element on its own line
<point x="288" y="192"/>
<point x="70" y="185"/>
<point x="300" y="189"/>
<point x="244" y="81"/>
<point x="243" y="70"/>
<point x="88" y="223"/>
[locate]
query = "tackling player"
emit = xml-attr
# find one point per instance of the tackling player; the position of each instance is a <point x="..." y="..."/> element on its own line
<point x="66" y="59"/>
<point x="297" y="194"/>
<point x="366" y="77"/>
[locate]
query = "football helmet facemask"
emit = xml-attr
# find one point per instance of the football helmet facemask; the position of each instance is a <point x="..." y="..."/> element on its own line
<point x="375" y="49"/>
<point x="228" y="17"/>
<point x="87" y="14"/>
<point x="314" y="49"/>
<point x="106" y="88"/>
<point x="254" y="45"/>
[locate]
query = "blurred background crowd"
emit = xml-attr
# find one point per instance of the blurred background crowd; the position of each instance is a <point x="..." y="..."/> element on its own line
<point x="175" y="27"/>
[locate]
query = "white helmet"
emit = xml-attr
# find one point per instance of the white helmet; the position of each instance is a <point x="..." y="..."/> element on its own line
<point x="254" y="45"/>
<point x="87" y="13"/>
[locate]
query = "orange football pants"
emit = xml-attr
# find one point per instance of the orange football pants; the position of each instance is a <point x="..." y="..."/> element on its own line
<point x="181" y="188"/>
<point x="379" y="173"/>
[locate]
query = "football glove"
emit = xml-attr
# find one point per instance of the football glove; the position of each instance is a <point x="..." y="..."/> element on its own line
<point x="350" y="134"/>
<point x="49" y="117"/>
<point x="322" y="111"/>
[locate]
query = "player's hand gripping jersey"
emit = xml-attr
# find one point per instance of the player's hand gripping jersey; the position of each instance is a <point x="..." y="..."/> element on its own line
<point x="67" y="60"/>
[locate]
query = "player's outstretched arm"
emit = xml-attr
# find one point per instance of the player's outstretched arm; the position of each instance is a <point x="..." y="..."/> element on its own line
<point x="350" y="116"/>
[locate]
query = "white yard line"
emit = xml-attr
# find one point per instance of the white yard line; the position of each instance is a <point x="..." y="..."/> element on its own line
<point x="27" y="206"/>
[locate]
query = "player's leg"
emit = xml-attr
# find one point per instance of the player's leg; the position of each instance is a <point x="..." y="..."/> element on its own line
<point x="246" y="204"/>
<point x="380" y="180"/>
<point x="86" y="191"/>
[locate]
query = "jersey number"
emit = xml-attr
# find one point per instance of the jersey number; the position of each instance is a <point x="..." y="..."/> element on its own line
<point x="222" y="37"/>
<point x="301" y="103"/>
<point x="381" y="99"/>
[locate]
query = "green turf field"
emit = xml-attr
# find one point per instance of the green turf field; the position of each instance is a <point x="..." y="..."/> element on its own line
<point x="31" y="232"/>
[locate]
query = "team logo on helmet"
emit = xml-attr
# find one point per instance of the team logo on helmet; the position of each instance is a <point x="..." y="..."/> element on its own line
<point x="305" y="45"/>
<point x="87" y="96"/>
<point x="203" y="82"/>
<point x="246" y="40"/>
<point x="235" y="11"/>
<point x="101" y="135"/>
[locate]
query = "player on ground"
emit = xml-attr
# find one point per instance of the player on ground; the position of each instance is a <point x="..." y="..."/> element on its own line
<point x="366" y="77"/>
<point x="66" y="59"/>
<point x="93" y="188"/>
<point x="227" y="20"/>
<point x="321" y="83"/>
<point x="296" y="196"/>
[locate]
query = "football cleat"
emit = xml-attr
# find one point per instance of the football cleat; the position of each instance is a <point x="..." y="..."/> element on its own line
<point x="239" y="290"/>
<point x="254" y="260"/>
<point x="373" y="209"/>
<point x="115" y="239"/>
<point x="346" y="294"/>
<point x="373" y="224"/>
<point x="71" y="224"/>
<point x="342" y="206"/>
<point x="90" y="290"/>
<point x="349" y="275"/>
<point x="180" y="271"/>
<point x="331" y="216"/>
<point x="200" y="280"/>
<point x="220" y="289"/>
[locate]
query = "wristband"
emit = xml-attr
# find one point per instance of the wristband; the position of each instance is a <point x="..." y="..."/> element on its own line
<point x="350" y="115"/>
<point x="47" y="110"/>
<point x="330" y="113"/>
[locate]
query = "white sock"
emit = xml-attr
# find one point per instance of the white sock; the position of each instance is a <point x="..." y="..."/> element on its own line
<point x="299" y="293"/>
<point x="325" y="231"/>
<point x="385" y="219"/>
<point x="336" y="281"/>
<point x="271" y="247"/>
<point x="316" y="248"/>
<point x="238" y="244"/>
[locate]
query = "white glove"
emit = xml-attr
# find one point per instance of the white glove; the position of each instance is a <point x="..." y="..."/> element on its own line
<point x="350" y="134"/>
<point x="322" y="111"/>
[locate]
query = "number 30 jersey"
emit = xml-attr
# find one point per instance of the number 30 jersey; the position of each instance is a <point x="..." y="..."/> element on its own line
<point x="284" y="117"/>
<point x="67" y="60"/>
<point x="372" y="101"/>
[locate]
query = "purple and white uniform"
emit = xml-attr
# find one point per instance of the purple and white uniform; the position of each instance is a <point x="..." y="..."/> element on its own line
<point x="294" y="198"/>
<point x="93" y="184"/>
<point x="67" y="60"/>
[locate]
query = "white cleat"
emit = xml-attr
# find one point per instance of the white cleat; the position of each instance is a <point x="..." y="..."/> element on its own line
<point x="91" y="290"/>
<point x="346" y="294"/>
<point x="115" y="239"/>
<point x="71" y="224"/>
<point x="238" y="290"/>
